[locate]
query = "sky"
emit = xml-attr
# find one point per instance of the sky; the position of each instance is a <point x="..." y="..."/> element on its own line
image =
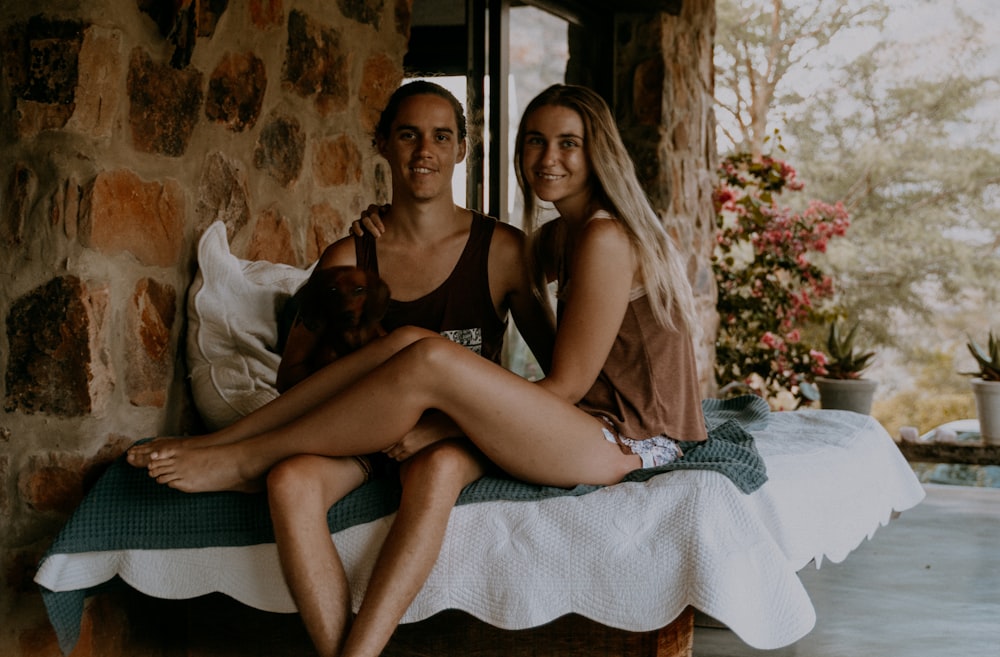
<point x="928" y="42"/>
<point x="925" y="28"/>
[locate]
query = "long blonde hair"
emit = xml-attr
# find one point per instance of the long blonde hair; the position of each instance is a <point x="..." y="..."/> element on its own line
<point x="617" y="187"/>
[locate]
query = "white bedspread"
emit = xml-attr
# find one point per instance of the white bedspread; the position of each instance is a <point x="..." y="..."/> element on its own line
<point x="631" y="556"/>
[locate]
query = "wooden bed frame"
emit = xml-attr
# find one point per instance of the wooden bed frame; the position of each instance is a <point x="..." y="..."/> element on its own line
<point x="218" y="626"/>
<point x="457" y="633"/>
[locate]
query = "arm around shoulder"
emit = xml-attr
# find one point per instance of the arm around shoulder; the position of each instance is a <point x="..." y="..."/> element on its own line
<point x="533" y="316"/>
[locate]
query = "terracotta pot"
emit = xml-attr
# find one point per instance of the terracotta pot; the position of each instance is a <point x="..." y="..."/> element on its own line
<point x="987" y="395"/>
<point x="847" y="394"/>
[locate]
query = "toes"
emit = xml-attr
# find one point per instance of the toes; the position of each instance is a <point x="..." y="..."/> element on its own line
<point x="167" y="478"/>
<point x="162" y="453"/>
<point x="135" y="457"/>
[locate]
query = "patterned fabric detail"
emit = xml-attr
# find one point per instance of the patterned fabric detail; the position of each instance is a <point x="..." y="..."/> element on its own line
<point x="655" y="451"/>
<point x="471" y="338"/>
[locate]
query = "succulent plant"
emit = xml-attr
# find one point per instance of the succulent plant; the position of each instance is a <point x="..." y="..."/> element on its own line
<point x="988" y="359"/>
<point x="845" y="363"/>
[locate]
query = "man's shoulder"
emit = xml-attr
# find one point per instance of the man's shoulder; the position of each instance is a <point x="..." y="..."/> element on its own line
<point x="507" y="253"/>
<point x="340" y="253"/>
<point x="505" y="235"/>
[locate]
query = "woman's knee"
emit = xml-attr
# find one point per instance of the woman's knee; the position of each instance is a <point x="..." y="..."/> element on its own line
<point x="435" y="357"/>
<point x="404" y="336"/>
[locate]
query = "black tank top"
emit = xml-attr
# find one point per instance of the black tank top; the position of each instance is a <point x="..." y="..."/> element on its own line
<point x="462" y="307"/>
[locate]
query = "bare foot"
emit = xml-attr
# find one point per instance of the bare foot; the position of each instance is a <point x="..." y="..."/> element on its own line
<point x="138" y="455"/>
<point x="192" y="468"/>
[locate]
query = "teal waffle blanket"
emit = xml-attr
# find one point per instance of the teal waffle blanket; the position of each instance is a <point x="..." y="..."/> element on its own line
<point x="126" y="510"/>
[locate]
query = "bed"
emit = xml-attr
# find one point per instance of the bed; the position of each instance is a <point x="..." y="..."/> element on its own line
<point x="724" y="531"/>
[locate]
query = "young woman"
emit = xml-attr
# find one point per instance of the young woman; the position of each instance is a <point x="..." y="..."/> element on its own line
<point x="622" y="388"/>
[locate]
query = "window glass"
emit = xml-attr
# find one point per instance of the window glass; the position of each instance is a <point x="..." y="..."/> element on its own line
<point x="539" y="51"/>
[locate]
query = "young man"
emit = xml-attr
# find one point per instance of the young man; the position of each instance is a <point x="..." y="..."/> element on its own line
<point x="450" y="271"/>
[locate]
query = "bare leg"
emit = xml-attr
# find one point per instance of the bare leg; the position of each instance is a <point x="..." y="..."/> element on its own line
<point x="298" y="400"/>
<point x="529" y="432"/>
<point x="432" y="481"/>
<point x="300" y="491"/>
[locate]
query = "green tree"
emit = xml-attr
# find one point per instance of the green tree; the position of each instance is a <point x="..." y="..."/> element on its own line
<point x="916" y="160"/>
<point x="902" y="130"/>
<point x="759" y="43"/>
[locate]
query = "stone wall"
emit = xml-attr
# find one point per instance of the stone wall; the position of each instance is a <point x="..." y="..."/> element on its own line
<point x="664" y="87"/>
<point x="125" y="130"/>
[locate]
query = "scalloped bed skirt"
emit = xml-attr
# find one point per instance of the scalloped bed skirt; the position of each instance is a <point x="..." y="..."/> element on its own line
<point x="635" y="556"/>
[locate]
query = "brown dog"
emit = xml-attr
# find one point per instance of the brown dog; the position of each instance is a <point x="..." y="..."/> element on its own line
<point x="345" y="306"/>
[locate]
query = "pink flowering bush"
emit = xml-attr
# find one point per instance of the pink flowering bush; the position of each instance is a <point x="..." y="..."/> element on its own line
<point x="769" y="291"/>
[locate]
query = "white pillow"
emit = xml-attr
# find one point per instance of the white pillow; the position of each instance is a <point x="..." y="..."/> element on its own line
<point x="232" y="333"/>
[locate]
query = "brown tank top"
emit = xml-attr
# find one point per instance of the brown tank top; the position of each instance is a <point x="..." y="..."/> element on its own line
<point x="462" y="307"/>
<point x="649" y="383"/>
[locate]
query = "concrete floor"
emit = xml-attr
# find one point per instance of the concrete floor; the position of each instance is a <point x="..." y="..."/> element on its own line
<point x="926" y="585"/>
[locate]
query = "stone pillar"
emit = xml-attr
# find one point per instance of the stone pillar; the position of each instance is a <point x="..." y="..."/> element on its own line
<point x="664" y="88"/>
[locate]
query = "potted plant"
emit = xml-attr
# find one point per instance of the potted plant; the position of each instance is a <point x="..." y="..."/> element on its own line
<point x="843" y="387"/>
<point x="986" y="387"/>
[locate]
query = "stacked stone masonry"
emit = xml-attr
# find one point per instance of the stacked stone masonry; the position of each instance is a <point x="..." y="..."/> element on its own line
<point x="126" y="128"/>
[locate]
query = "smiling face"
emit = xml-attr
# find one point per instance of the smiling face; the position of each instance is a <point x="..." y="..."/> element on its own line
<point x="422" y="147"/>
<point x="554" y="160"/>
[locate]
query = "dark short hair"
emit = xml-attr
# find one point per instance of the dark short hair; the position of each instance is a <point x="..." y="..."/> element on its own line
<point x="417" y="88"/>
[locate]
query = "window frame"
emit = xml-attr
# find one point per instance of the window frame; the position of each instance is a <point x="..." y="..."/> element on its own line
<point x="483" y="57"/>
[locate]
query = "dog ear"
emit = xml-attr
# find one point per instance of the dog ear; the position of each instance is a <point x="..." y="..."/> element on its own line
<point x="377" y="301"/>
<point x="310" y="299"/>
<point x="306" y="310"/>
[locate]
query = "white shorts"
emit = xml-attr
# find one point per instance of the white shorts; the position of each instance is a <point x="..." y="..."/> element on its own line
<point x="654" y="452"/>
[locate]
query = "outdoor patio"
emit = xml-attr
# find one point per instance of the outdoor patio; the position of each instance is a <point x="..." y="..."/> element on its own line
<point x="926" y="585"/>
